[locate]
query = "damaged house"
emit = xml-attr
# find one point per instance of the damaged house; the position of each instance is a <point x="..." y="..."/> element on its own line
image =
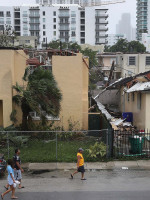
<point x="134" y="99"/>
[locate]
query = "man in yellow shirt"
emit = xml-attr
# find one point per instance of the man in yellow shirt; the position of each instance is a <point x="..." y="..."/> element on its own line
<point x="80" y="164"/>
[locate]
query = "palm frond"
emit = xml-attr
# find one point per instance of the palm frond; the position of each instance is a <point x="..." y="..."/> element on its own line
<point x="18" y="88"/>
<point x="26" y="74"/>
<point x="17" y="99"/>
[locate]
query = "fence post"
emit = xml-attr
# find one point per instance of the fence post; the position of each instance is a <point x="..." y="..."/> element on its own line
<point x="107" y="145"/>
<point x="8" y="144"/>
<point x="112" y="143"/>
<point x="56" y="150"/>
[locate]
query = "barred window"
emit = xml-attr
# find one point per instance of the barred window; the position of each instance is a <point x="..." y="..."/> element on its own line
<point x="132" y="60"/>
<point x="147" y="60"/>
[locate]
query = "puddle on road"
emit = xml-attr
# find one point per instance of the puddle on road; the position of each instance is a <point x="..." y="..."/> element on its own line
<point x="40" y="171"/>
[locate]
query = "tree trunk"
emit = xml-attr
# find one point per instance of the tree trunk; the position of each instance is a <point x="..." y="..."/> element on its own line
<point x="24" y="121"/>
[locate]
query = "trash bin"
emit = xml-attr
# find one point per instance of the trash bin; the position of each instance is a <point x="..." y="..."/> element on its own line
<point x="128" y="116"/>
<point x="136" y="144"/>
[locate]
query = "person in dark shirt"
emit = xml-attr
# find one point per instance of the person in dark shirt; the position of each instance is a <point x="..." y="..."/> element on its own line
<point x="17" y="167"/>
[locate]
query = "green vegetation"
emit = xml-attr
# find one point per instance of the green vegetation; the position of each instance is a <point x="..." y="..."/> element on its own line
<point x="7" y="37"/>
<point x="92" y="56"/>
<point x="41" y="147"/>
<point x="57" y="44"/>
<point x="41" y="95"/>
<point x="126" y="47"/>
<point x="98" y="150"/>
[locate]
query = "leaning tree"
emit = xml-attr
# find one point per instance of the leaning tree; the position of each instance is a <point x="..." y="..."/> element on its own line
<point x="41" y="95"/>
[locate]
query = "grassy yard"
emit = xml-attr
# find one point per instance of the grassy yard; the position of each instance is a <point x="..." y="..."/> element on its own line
<point x="45" y="151"/>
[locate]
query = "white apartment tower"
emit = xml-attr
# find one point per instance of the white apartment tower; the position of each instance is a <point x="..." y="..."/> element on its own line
<point x="66" y="22"/>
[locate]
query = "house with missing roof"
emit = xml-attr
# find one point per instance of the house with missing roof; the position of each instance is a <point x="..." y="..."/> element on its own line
<point x="135" y="97"/>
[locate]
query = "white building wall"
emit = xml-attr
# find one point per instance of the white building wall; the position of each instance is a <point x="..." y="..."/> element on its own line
<point x="48" y="20"/>
<point x="146" y="41"/>
<point x="7" y="20"/>
<point x="113" y="38"/>
<point x="90" y="25"/>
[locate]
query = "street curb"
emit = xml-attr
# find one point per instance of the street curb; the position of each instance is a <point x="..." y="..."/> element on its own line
<point x="139" y="164"/>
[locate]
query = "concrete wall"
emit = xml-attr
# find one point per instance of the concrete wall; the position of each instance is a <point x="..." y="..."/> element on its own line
<point x="12" y="68"/>
<point x="71" y="75"/>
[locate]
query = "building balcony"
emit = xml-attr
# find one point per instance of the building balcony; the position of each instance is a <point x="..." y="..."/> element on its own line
<point x="34" y="16"/>
<point x="34" y="22"/>
<point x="101" y="36"/>
<point x="73" y="15"/>
<point x="64" y="36"/>
<point x="24" y="15"/>
<point x="64" y="29"/>
<point x="33" y="29"/>
<point x="64" y="16"/>
<point x="102" y="22"/>
<point x="101" y="29"/>
<point x="102" y="15"/>
<point x="64" y="22"/>
<point x="101" y="42"/>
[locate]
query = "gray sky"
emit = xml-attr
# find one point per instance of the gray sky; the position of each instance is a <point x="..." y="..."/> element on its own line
<point x="115" y="11"/>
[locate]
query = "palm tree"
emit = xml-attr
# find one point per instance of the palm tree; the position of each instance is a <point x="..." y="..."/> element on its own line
<point x="40" y="94"/>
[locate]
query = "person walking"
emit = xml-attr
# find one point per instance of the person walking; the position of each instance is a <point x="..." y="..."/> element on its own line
<point x="11" y="180"/>
<point x="80" y="164"/>
<point x="17" y="168"/>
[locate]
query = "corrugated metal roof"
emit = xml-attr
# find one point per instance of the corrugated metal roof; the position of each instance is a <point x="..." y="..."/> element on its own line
<point x="103" y="110"/>
<point x="139" y="87"/>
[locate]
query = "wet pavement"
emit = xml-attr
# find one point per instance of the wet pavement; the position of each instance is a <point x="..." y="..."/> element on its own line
<point x="100" y="184"/>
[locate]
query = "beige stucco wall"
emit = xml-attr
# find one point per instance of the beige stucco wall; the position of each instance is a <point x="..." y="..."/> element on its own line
<point x="12" y="66"/>
<point x="147" y="111"/>
<point x="138" y="68"/>
<point x="139" y="115"/>
<point x="71" y="74"/>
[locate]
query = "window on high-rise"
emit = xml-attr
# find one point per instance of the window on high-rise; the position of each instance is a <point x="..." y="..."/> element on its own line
<point x="82" y="21"/>
<point x="1" y="27"/>
<point x="1" y="14"/>
<point x="8" y="14"/>
<point x="73" y="33"/>
<point x="54" y="13"/>
<point x="82" y="14"/>
<point x="82" y="41"/>
<point x="43" y="13"/>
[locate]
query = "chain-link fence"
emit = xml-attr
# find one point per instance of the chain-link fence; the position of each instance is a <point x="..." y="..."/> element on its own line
<point x="57" y="146"/>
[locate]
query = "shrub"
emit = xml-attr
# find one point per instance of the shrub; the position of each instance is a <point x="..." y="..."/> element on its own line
<point x="98" y="150"/>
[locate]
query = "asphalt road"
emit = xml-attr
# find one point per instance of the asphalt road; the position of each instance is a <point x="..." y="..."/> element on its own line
<point x="100" y="185"/>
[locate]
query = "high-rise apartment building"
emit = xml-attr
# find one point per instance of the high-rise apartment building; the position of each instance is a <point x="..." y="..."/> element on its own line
<point x="83" y="3"/>
<point x="68" y="22"/>
<point x="113" y="38"/>
<point x="124" y="26"/>
<point x="142" y="18"/>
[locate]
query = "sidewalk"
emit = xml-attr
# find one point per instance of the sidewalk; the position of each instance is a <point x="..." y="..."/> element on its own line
<point x="140" y="164"/>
